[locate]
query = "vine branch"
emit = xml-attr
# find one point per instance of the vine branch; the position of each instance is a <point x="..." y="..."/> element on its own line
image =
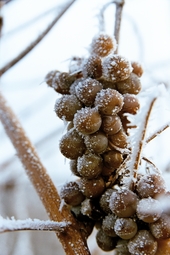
<point x="73" y="242"/>
<point x="36" y="41"/>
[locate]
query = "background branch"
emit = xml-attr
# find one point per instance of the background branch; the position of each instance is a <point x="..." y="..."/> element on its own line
<point x="34" y="43"/>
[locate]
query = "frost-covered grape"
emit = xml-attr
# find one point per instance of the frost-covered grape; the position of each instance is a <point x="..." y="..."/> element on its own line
<point x="150" y="185"/>
<point x="123" y="202"/>
<point x="66" y="106"/>
<point x="109" y="101"/>
<point x="97" y="142"/>
<point x="102" y="44"/>
<point x="131" y="85"/>
<point x="105" y="242"/>
<point x="108" y="225"/>
<point x="131" y="104"/>
<point x="62" y="82"/>
<point x="143" y="243"/>
<point x="91" y="209"/>
<point x="89" y="165"/>
<point x="112" y="159"/>
<point x="107" y="84"/>
<point x="149" y="210"/>
<point x="92" y="67"/>
<point x="126" y="228"/>
<point x="92" y="188"/>
<point x="116" y="68"/>
<point x="50" y="76"/>
<point x="121" y="247"/>
<point x="72" y="145"/>
<point x="160" y="229"/>
<point x="73" y="86"/>
<point x="105" y="200"/>
<point x="137" y="68"/>
<point x="111" y="124"/>
<point x="87" y="120"/>
<point x="87" y="90"/>
<point x="73" y="167"/>
<point x="119" y="140"/>
<point x="71" y="193"/>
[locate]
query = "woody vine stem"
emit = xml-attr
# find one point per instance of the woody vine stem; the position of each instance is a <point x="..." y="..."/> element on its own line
<point x="74" y="237"/>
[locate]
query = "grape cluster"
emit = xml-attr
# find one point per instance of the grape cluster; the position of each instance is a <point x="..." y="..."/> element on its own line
<point x="96" y="94"/>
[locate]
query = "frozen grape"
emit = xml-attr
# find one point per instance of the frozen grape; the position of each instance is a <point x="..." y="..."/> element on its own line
<point x="121" y="247"/>
<point x="67" y="106"/>
<point x="71" y="193"/>
<point x="116" y="68"/>
<point x="87" y="90"/>
<point x="87" y="120"/>
<point x="126" y="228"/>
<point x="97" y="142"/>
<point x="131" y="85"/>
<point x="111" y="124"/>
<point x="150" y="185"/>
<point x="131" y="104"/>
<point x="137" y="68"/>
<point x="160" y="229"/>
<point x="62" y="82"/>
<point x="50" y="76"/>
<point x="112" y="159"/>
<point x="102" y="44"/>
<point x="105" y="200"/>
<point x="92" y="67"/>
<point x="72" y="145"/>
<point x="149" y="210"/>
<point x="107" y="84"/>
<point x="91" y="209"/>
<point x="123" y="202"/>
<point x="142" y="243"/>
<point x="119" y="140"/>
<point x="108" y="225"/>
<point x="89" y="165"/>
<point x="109" y="101"/>
<point x="105" y="242"/>
<point x="73" y="167"/>
<point x="92" y="188"/>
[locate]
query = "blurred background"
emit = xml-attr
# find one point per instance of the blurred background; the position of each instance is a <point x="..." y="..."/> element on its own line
<point x="144" y="37"/>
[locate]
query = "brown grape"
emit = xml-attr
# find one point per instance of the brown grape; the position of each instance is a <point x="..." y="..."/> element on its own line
<point x="142" y="243"/>
<point x="62" y="82"/>
<point x="92" y="67"/>
<point x="119" y="140"/>
<point x="160" y="229"/>
<point x="116" y="68"/>
<point x="150" y="185"/>
<point x="131" y="104"/>
<point x="73" y="167"/>
<point x="107" y="84"/>
<point x="111" y="124"/>
<point x="87" y="90"/>
<point x="87" y="120"/>
<point x="71" y="193"/>
<point x="109" y="101"/>
<point x="91" y="209"/>
<point x="50" y="76"/>
<point x="163" y="247"/>
<point x="104" y="201"/>
<point x="108" y="225"/>
<point x="72" y="145"/>
<point x="149" y="210"/>
<point x="96" y="142"/>
<point x="137" y="68"/>
<point x="66" y="106"/>
<point x="123" y="202"/>
<point x="105" y="242"/>
<point x="112" y="159"/>
<point x="92" y="188"/>
<point x="102" y="44"/>
<point x="121" y="247"/>
<point x="126" y="228"/>
<point x="131" y="85"/>
<point x="89" y="165"/>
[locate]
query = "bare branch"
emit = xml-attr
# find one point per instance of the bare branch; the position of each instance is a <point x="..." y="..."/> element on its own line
<point x="158" y="132"/>
<point x="34" y="43"/>
<point x="72" y="241"/>
<point x="118" y="19"/>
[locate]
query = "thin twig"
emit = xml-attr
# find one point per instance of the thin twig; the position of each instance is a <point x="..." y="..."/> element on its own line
<point x="35" y="42"/>
<point x="72" y="241"/>
<point x="158" y="132"/>
<point x="10" y="225"/>
<point x="151" y="163"/>
<point x="141" y="142"/>
<point x="118" y="18"/>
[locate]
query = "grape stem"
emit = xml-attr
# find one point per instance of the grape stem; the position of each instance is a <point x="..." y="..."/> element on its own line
<point x="73" y="242"/>
<point x="118" y="19"/>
